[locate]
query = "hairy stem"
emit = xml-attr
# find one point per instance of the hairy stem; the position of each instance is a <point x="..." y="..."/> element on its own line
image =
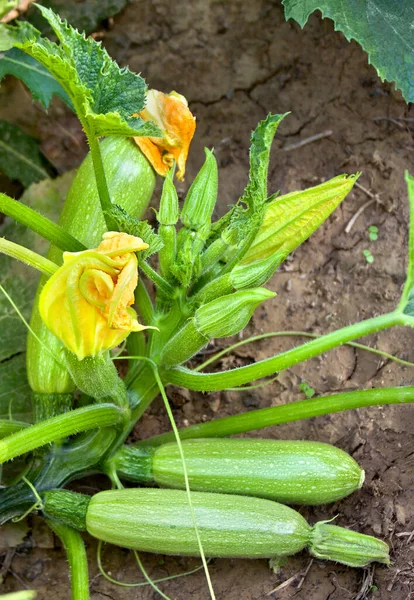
<point x="101" y="183"/>
<point x="30" y="218"/>
<point x="59" y="427"/>
<point x="208" y="382"/>
<point x="27" y="256"/>
<point x="297" y="411"/>
<point x="78" y="563"/>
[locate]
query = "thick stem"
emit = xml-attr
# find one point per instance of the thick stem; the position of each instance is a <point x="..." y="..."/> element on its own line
<point x="78" y="562"/>
<point x="297" y="411"/>
<point x="49" y="230"/>
<point x="208" y="382"/>
<point x="101" y="183"/>
<point x="27" y="256"/>
<point x="60" y="427"/>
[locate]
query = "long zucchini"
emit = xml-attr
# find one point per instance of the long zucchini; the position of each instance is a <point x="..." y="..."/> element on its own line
<point x="291" y="472"/>
<point x="155" y="520"/>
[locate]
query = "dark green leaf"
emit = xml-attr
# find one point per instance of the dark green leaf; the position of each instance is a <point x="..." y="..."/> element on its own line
<point x="15" y="392"/>
<point x="248" y="213"/>
<point x="105" y="97"/>
<point x="384" y="29"/>
<point x="20" y="157"/>
<point x="39" y="81"/>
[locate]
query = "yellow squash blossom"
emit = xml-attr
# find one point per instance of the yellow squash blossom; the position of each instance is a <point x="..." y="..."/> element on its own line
<point x="171" y="114"/>
<point x="87" y="302"/>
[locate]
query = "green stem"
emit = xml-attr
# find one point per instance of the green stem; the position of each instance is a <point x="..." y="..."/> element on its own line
<point x="78" y="562"/>
<point x="30" y="218"/>
<point x="7" y="427"/>
<point x="208" y="382"/>
<point x="297" y="411"/>
<point x="312" y="336"/>
<point x="101" y="183"/>
<point x="59" y="427"/>
<point x="159" y="281"/>
<point x="27" y="256"/>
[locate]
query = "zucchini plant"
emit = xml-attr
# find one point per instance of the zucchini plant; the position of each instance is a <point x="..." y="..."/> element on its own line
<point x="191" y="279"/>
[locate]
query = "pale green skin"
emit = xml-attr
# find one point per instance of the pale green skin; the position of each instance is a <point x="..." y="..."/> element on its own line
<point x="131" y="181"/>
<point x="291" y="472"/>
<point x="159" y="521"/>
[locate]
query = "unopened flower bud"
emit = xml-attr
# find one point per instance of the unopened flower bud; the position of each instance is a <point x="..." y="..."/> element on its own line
<point x="256" y="273"/>
<point x="202" y="195"/>
<point x="228" y="315"/>
<point x="290" y="219"/>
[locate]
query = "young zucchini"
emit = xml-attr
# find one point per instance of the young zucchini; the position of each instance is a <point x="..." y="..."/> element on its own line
<point x="154" y="520"/>
<point x="291" y="472"/>
<point x="131" y="181"/>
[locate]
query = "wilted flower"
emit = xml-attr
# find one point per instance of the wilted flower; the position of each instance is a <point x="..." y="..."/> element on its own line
<point x="171" y="114"/>
<point x="87" y="302"/>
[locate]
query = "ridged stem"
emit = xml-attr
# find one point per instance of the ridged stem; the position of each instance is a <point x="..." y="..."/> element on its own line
<point x="208" y="382"/>
<point x="297" y="411"/>
<point x="59" y="427"/>
<point x="78" y="562"/>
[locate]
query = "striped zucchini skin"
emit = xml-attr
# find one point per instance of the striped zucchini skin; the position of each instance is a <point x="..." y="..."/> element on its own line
<point x="159" y="521"/>
<point x="131" y="181"/>
<point x="291" y="472"/>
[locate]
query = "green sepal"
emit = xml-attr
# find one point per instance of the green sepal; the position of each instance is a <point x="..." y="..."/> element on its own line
<point x="347" y="547"/>
<point x="290" y="219"/>
<point x="202" y="195"/>
<point x="228" y="315"/>
<point x="96" y="376"/>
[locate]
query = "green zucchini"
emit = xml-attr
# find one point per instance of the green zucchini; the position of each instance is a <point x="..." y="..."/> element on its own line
<point x="291" y="472"/>
<point x="131" y="181"/>
<point x="160" y="521"/>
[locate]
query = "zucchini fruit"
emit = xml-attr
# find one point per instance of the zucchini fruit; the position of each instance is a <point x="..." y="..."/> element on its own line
<point x="291" y="472"/>
<point x="156" y="520"/>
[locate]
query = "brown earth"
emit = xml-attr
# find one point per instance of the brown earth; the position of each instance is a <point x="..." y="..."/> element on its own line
<point x="235" y="62"/>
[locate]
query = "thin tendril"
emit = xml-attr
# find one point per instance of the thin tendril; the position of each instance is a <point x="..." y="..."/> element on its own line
<point x="141" y="583"/>
<point x="313" y="336"/>
<point x="180" y="449"/>
<point x="29" y="328"/>
<point x="38" y="505"/>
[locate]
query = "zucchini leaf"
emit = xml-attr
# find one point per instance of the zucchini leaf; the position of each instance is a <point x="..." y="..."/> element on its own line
<point x="39" y="81"/>
<point x="15" y="392"/>
<point x="249" y="211"/>
<point x="105" y="97"/>
<point x="20" y="156"/>
<point x="384" y="29"/>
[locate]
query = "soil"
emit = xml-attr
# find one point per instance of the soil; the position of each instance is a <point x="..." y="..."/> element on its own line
<point x="235" y="62"/>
